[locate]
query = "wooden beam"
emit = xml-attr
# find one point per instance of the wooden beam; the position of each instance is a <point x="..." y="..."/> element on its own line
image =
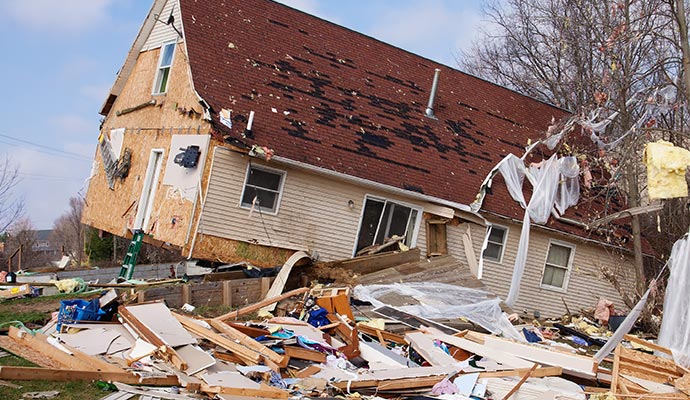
<point x="537" y="373"/>
<point x="151" y="337"/>
<point x="615" y="373"/>
<point x="247" y="355"/>
<point x="307" y="372"/>
<point x="646" y="343"/>
<point x="247" y="341"/>
<point x="259" y="305"/>
<point x="62" y="375"/>
<point x="40" y="345"/>
<point x="389" y="336"/>
<point x="304" y="354"/>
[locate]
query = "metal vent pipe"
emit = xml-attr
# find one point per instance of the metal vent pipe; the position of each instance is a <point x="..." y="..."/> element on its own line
<point x="430" y="107"/>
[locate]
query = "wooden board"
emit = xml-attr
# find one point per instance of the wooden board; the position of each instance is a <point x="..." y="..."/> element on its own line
<point x="304" y="354"/>
<point x="247" y="355"/>
<point x="62" y="375"/>
<point x="571" y="363"/>
<point x="259" y="305"/>
<point x="367" y="264"/>
<point x="424" y="345"/>
<point x="247" y="341"/>
<point x="502" y="357"/>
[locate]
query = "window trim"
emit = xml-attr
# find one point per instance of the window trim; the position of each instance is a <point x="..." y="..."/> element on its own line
<point x="568" y="269"/>
<point x="154" y="89"/>
<point x="283" y="177"/>
<point x="417" y="222"/>
<point x="503" y="245"/>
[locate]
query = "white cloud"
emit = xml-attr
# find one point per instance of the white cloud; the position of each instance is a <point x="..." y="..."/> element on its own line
<point x="64" y="16"/>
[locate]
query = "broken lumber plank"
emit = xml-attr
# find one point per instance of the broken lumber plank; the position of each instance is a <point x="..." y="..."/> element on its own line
<point x="389" y="336"/>
<point x="247" y="355"/>
<point x="363" y="265"/>
<point x="615" y="373"/>
<point x="61" y="375"/>
<point x="347" y="334"/>
<point x="573" y="364"/>
<point x="499" y="356"/>
<point x="646" y="343"/>
<point x="259" y="305"/>
<point x="264" y="391"/>
<point x="247" y="341"/>
<point x="537" y="373"/>
<point x="281" y="278"/>
<point x="304" y="354"/>
<point x="520" y="382"/>
<point x="424" y="345"/>
<point x="151" y="337"/>
<point x="40" y="345"/>
<point x="308" y="371"/>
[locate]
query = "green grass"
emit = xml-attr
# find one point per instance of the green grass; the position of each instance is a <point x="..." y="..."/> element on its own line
<point x="37" y="311"/>
<point x="68" y="390"/>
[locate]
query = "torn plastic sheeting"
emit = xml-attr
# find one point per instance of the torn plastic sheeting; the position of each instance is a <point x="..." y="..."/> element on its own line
<point x="555" y="188"/>
<point x="675" y="326"/>
<point x="441" y="300"/>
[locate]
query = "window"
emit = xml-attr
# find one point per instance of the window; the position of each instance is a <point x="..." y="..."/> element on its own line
<point x="382" y="219"/>
<point x="164" y="65"/>
<point x="262" y="189"/>
<point x="496" y="243"/>
<point x="558" y="262"/>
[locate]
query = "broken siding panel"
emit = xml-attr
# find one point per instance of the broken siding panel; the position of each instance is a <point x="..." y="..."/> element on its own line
<point x="313" y="214"/>
<point x="161" y="32"/>
<point x="586" y="283"/>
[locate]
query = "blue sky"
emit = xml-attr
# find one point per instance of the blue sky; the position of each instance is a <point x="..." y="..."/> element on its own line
<point x="61" y="57"/>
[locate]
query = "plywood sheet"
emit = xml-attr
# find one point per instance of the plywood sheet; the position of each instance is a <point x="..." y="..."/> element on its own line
<point x="157" y="317"/>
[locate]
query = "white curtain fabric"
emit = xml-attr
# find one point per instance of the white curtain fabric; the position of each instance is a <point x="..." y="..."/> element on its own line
<point x="555" y="185"/>
<point x="675" y="326"/>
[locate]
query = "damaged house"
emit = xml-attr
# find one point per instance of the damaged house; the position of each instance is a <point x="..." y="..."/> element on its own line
<point x="248" y="130"/>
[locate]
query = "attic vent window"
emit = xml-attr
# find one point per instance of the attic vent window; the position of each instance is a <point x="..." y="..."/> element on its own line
<point x="164" y="65"/>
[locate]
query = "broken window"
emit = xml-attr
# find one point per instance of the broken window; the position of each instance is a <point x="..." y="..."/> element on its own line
<point x="383" y="219"/>
<point x="262" y="189"/>
<point x="558" y="261"/>
<point x="164" y="65"/>
<point x="496" y="243"/>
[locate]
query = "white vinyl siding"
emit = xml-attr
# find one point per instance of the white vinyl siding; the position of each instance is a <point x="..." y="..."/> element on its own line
<point x="161" y="32"/>
<point x="315" y="213"/>
<point x="585" y="283"/>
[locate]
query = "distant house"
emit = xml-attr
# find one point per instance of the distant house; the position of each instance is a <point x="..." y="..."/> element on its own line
<point x="247" y="130"/>
<point x="43" y="247"/>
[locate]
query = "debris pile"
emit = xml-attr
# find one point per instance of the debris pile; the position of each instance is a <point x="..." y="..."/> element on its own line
<point x="324" y="345"/>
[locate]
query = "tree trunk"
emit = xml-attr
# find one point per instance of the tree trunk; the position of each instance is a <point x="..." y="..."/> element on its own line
<point x="685" y="47"/>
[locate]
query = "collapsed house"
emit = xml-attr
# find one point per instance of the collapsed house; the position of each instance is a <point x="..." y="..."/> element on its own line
<point x="246" y="131"/>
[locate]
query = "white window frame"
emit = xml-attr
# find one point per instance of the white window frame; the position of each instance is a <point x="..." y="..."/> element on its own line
<point x="283" y="177"/>
<point x="148" y="192"/>
<point x="417" y="222"/>
<point x="569" y="267"/>
<point x="503" y="245"/>
<point x="154" y="90"/>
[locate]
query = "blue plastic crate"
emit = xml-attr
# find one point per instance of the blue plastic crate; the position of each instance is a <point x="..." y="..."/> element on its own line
<point x="78" y="310"/>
